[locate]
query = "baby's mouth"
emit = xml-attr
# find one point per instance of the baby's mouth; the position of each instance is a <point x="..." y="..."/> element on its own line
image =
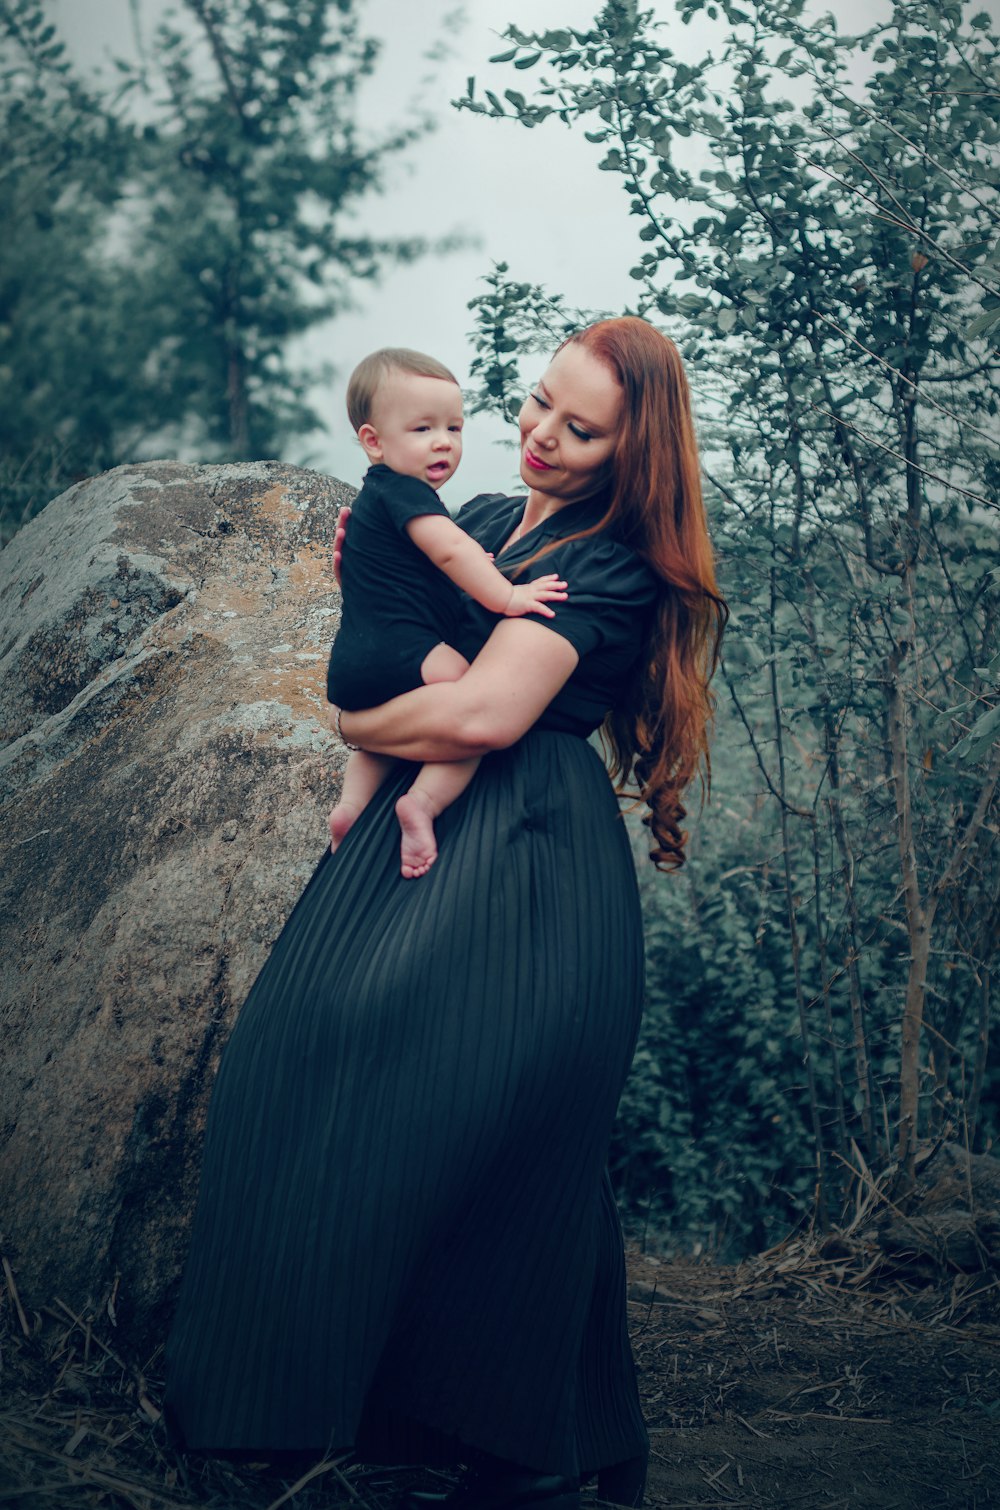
<point x="438" y="468"/>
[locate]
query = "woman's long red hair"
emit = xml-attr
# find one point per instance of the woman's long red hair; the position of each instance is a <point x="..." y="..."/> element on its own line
<point x="657" y="736"/>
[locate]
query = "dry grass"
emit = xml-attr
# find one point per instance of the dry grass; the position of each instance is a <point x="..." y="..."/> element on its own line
<point x="824" y="1372"/>
<point x="815" y="1374"/>
<point x="80" y="1426"/>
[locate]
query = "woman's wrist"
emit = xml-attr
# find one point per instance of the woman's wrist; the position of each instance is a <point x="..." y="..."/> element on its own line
<point x="338" y="728"/>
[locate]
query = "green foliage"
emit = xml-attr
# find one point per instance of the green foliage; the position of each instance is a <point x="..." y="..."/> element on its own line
<point x="66" y="336"/>
<point x="253" y="161"/>
<point x="820" y="259"/>
<point x="713" y="1128"/>
<point x="169" y="236"/>
<point x="513" y="320"/>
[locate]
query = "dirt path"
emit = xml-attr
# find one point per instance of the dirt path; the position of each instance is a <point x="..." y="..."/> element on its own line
<point x="786" y="1382"/>
<point x="787" y="1390"/>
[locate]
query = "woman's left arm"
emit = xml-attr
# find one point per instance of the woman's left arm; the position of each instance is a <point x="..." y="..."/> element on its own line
<point x="506" y="689"/>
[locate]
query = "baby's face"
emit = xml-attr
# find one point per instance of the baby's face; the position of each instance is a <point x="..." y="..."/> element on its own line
<point x="416" y="427"/>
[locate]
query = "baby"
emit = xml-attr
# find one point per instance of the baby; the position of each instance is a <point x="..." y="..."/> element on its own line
<point x="399" y="608"/>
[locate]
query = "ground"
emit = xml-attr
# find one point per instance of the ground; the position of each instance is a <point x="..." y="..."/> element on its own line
<point x="797" y="1388"/>
<point x="801" y="1378"/>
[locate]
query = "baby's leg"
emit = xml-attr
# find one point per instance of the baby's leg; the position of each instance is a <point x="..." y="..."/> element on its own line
<point x="436" y="787"/>
<point x="442" y="664"/>
<point x="363" y="775"/>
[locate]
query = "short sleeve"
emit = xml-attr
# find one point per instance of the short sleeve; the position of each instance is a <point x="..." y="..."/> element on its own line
<point x="406" y="498"/>
<point x="611" y="594"/>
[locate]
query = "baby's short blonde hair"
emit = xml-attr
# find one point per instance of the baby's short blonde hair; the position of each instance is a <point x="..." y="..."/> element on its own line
<point x="369" y="375"/>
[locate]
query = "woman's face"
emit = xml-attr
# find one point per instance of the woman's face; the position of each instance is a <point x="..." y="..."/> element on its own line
<point x="569" y="426"/>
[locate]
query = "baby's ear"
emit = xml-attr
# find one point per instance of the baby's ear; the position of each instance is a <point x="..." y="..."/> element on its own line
<point x="368" y="436"/>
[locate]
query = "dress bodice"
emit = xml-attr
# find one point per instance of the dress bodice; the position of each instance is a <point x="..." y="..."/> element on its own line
<point x="607" y="617"/>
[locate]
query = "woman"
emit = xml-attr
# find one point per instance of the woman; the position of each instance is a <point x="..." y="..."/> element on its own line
<point x="405" y="1239"/>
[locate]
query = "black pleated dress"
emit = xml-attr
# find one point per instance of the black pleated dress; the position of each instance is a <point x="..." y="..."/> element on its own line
<point x="405" y="1237"/>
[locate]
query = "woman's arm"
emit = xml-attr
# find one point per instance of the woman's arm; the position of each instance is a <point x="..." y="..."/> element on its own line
<point x="508" y="686"/>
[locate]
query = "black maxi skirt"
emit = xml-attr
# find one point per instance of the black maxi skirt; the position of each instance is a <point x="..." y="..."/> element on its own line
<point x="404" y="1220"/>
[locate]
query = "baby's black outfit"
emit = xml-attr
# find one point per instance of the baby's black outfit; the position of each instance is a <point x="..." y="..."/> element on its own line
<point x="397" y="605"/>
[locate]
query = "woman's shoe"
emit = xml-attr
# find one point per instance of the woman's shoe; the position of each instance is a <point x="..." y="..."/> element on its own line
<point x="518" y="1489"/>
<point x="624" y="1483"/>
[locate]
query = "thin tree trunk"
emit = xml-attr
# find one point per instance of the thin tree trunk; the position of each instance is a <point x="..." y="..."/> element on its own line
<point x="859" y="1026"/>
<point x="919" y="918"/>
<point x="236" y="399"/>
<point x="843" y="1143"/>
<point x="237" y="402"/>
<point x="793" y="929"/>
<point x="982" y="1053"/>
<point x="909" y="1068"/>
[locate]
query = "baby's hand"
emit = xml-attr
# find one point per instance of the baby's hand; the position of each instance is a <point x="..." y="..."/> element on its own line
<point x="340" y="534"/>
<point x="533" y="596"/>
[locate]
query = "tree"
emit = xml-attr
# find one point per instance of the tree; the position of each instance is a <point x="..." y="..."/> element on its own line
<point x="254" y="162"/>
<point x="836" y="253"/>
<point x="159" y="261"/>
<point x="66" y="404"/>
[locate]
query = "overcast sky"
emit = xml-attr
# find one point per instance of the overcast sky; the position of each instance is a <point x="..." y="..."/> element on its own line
<point x="533" y="199"/>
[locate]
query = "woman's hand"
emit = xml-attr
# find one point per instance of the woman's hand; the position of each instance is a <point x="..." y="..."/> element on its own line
<point x="339" y="536"/>
<point x="506" y="689"/>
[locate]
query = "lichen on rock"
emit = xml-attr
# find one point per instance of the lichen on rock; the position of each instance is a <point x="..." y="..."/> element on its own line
<point x="165" y="770"/>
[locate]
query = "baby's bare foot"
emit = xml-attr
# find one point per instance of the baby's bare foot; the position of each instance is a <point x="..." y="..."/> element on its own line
<point x="419" y="847"/>
<point x="342" y="819"/>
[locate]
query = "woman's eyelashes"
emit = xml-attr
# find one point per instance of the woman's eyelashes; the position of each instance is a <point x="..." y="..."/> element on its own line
<point x="576" y="430"/>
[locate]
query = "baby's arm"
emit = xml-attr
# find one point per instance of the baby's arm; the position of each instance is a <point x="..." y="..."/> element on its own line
<point x="470" y="568"/>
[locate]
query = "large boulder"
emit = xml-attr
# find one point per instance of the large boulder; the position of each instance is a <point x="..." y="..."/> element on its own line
<point x="165" y="773"/>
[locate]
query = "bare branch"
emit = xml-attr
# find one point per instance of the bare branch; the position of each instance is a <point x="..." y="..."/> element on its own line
<point x="884" y="121"/>
<point x="969" y="835"/>
<point x="798" y="812"/>
<point x="907" y="224"/>
<point x="827" y="320"/>
<point x="935" y="476"/>
<point x="219" y="53"/>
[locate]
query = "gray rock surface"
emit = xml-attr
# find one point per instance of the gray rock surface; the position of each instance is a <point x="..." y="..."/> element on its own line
<point x="165" y="772"/>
